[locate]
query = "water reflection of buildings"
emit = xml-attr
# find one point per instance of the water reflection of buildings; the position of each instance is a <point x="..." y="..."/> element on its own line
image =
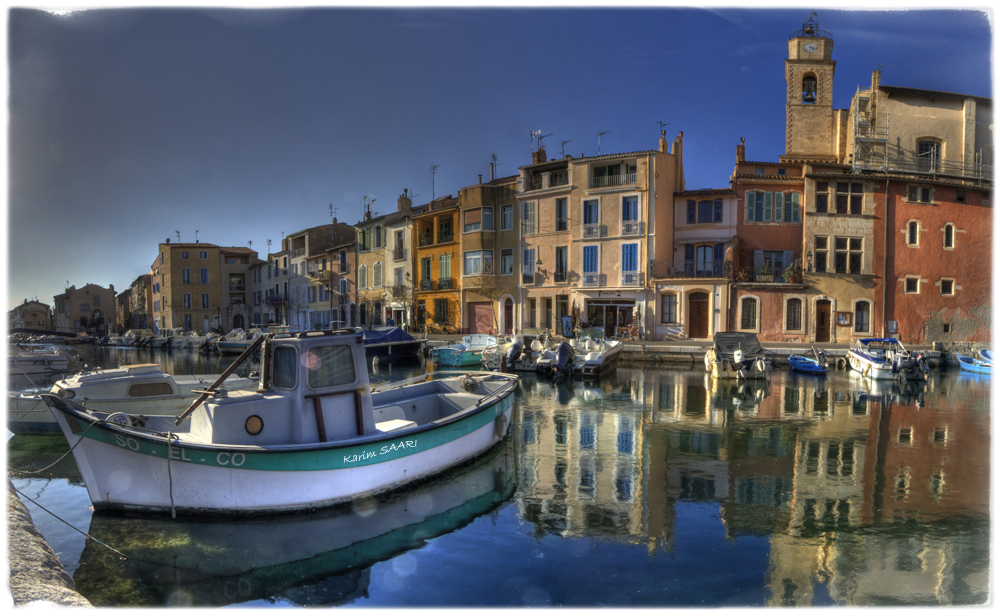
<point x="859" y="486"/>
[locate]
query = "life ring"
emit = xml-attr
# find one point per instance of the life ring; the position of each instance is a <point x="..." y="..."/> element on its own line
<point x="119" y="419"/>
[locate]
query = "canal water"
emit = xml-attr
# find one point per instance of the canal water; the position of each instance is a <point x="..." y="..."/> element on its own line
<point x="655" y="487"/>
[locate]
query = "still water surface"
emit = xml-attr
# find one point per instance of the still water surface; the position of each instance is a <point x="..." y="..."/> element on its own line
<point x="654" y="487"/>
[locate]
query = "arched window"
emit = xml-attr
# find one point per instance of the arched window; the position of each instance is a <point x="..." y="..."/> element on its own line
<point x="363" y="277"/>
<point x="913" y="233"/>
<point x="809" y="88"/>
<point x="748" y="313"/>
<point x="862" y="316"/>
<point x="949" y="235"/>
<point x="793" y="314"/>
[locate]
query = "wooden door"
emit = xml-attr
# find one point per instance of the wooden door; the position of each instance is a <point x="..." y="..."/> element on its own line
<point x="480" y="317"/>
<point x="508" y="317"/>
<point x="698" y="315"/>
<point x="822" y="321"/>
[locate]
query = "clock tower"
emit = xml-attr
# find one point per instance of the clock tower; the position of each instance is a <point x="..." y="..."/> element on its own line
<point x="810" y="120"/>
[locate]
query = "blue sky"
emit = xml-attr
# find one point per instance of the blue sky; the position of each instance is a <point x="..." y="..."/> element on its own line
<point x="126" y="126"/>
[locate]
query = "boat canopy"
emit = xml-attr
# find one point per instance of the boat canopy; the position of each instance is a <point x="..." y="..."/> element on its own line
<point x="868" y="341"/>
<point x="385" y="334"/>
<point x="726" y="343"/>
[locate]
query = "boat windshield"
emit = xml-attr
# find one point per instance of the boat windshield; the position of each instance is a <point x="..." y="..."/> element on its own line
<point x="330" y="366"/>
<point x="284" y="367"/>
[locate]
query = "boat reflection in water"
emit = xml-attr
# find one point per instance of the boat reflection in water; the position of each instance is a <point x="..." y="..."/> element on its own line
<point x="319" y="559"/>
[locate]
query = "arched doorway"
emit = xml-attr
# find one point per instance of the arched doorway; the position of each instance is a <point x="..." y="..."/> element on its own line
<point x="238" y="322"/>
<point x="508" y="316"/>
<point x="698" y="315"/>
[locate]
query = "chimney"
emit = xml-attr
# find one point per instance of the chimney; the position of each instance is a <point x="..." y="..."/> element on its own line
<point x="404" y="202"/>
<point x="538" y="156"/>
<point x="678" y="152"/>
<point x="493" y="171"/>
<point x="481" y="177"/>
<point x="741" y="153"/>
<point x="663" y="140"/>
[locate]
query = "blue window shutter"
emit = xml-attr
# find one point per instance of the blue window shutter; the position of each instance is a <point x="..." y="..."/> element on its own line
<point x="748" y="203"/>
<point x="795" y="207"/>
<point x="758" y="259"/>
<point x="779" y="200"/>
<point x="691" y="211"/>
<point x="767" y="207"/>
<point x="718" y="210"/>
<point x="720" y="252"/>
<point x="630" y="254"/>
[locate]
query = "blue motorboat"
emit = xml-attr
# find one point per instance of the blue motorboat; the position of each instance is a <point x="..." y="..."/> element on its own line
<point x="971" y="364"/>
<point x="390" y="343"/>
<point x="986" y="355"/>
<point x="808" y="365"/>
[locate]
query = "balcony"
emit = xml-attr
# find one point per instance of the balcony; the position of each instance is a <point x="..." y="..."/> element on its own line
<point x="426" y="285"/>
<point x="559" y="178"/>
<point x="426" y="240"/>
<point x="631" y="227"/>
<point x="237" y="288"/>
<point x="298" y="252"/>
<point x="632" y="279"/>
<point x="527" y="277"/>
<point x="591" y="279"/>
<point x="592" y="231"/>
<point x="343" y="268"/>
<point x="765" y="275"/>
<point x="611" y="181"/>
<point x="691" y="269"/>
<point x="446" y="284"/>
<point x="399" y="254"/>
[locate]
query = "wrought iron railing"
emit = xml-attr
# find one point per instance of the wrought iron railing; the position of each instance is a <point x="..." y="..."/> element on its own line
<point x="591" y="279"/>
<point x="399" y="254"/>
<point x="631" y="227"/>
<point x="559" y="178"/>
<point x="609" y="181"/>
<point x="591" y="230"/>
<point x="527" y="277"/>
<point x="426" y="285"/>
<point x="445" y="284"/>
<point x="632" y="279"/>
<point x="559" y="276"/>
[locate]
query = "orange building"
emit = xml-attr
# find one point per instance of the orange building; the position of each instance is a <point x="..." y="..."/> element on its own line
<point x="438" y="255"/>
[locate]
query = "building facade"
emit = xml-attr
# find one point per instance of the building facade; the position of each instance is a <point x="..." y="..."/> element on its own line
<point x="438" y="251"/>
<point x="89" y="309"/>
<point x="31" y="314"/>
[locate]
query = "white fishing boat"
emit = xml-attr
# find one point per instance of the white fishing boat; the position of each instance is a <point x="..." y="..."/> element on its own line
<point x="313" y="434"/>
<point x="28" y="361"/>
<point x="886" y="358"/>
<point x="737" y="356"/>
<point x="137" y="389"/>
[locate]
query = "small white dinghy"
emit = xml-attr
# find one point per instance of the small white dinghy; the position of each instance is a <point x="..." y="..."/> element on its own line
<point x="313" y="434"/>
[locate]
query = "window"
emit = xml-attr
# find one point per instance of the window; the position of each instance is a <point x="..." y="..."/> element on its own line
<point x="562" y="263"/>
<point x="562" y="214"/>
<point x="913" y="233"/>
<point x="506" y="261"/>
<point x="363" y="277"/>
<point x="630" y="208"/>
<point x="668" y="308"/>
<point x="759" y="171"/>
<point x="748" y="313"/>
<point x="929" y="153"/>
<point x="850" y="196"/>
<point x="822" y="197"/>
<point x="960" y="195"/>
<point x="847" y="255"/>
<point x="528" y="220"/>
<point x="809" y="89"/>
<point x="478" y="262"/>
<point x="781" y="171"/>
<point x="528" y="269"/>
<point x="821" y="246"/>
<point x="203" y="254"/>
<point x="185" y="254"/>
<point x="444" y="269"/>
<point x="705" y="211"/>
<point x="186" y="301"/>
<point x="862" y="316"/>
<point x="692" y="210"/>
<point x="487" y="219"/>
<point x="591" y="212"/>
<point x="204" y="275"/>
<point x="377" y="275"/>
<point x="506" y="217"/>
<point x="330" y="366"/>
<point x="790" y="211"/>
<point x="919" y="194"/>
<point x="717" y="210"/>
<point x="793" y="314"/>
<point x="911" y="285"/>
<point x="186" y="276"/>
<point x="590" y="259"/>
<point x="947" y="286"/>
<point x="441" y="311"/>
<point x="204" y="301"/>
<point x="949" y="236"/>
<point x="946" y="328"/>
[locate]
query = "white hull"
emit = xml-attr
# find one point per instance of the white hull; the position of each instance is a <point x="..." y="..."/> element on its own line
<point x="881" y="371"/>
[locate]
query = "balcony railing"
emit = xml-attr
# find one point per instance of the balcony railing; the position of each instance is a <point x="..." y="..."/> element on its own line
<point x="559" y="277"/>
<point x="445" y="237"/>
<point x="426" y="240"/>
<point x="610" y="181"/>
<point x="298" y="252"/>
<point x="631" y="227"/>
<point x="631" y="279"/>
<point x="445" y="284"/>
<point x="527" y="277"/>
<point x="528" y="228"/>
<point x="591" y="279"/>
<point x="691" y="269"/>
<point x="399" y="254"/>
<point x="426" y="285"/>
<point x="535" y="183"/>
<point x="343" y="268"/>
<point x="766" y="275"/>
<point x="237" y="288"/>
<point x="591" y="230"/>
<point x="559" y="178"/>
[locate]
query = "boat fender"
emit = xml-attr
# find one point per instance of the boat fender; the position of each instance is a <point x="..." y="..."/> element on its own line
<point x="120" y="419"/>
<point x="500" y="426"/>
<point x="760" y="365"/>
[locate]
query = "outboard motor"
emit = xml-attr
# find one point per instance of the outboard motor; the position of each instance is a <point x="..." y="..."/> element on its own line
<point x="513" y="353"/>
<point x="564" y="359"/>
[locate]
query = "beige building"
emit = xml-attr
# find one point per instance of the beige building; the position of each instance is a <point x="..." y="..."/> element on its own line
<point x="89" y="309"/>
<point x="31" y="314"/>
<point x="385" y="265"/>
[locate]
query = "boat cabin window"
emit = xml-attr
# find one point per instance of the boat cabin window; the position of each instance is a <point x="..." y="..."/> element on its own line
<point x="330" y="366"/>
<point x="284" y="368"/>
<point x="142" y="390"/>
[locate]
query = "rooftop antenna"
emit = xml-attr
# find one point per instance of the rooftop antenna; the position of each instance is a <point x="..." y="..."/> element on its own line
<point x="539" y="140"/>
<point x="250" y="244"/>
<point x="564" y="147"/>
<point x="880" y="67"/>
<point x="178" y="236"/>
<point x="268" y="246"/>
<point x="196" y="236"/>
<point x="662" y="124"/>
<point x="599" y="141"/>
<point x="434" y="170"/>
<point x="531" y="137"/>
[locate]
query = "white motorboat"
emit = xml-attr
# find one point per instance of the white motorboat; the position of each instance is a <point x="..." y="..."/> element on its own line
<point x="137" y="388"/>
<point x="519" y="353"/>
<point x="237" y="341"/>
<point x="737" y="356"/>
<point x="886" y="358"/>
<point x="29" y="361"/>
<point x="595" y="354"/>
<point x="313" y="434"/>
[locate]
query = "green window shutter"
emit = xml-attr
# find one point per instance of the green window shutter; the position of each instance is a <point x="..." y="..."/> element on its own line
<point x="749" y="201"/>
<point x="779" y="200"/>
<point x="795" y="207"/>
<point x="767" y="207"/>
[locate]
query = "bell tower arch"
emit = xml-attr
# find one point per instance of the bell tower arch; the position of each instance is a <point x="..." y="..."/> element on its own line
<point x="810" y="120"/>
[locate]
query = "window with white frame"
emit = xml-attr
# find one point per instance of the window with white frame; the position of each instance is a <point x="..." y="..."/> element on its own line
<point x="186" y="276"/>
<point x="444" y="269"/>
<point x="562" y="214"/>
<point x="591" y="211"/>
<point x="591" y="266"/>
<point x="949" y="236"/>
<point x="562" y="264"/>
<point x="847" y="255"/>
<point x="528" y="269"/>
<point x="377" y="275"/>
<point x="506" y="261"/>
<point x="363" y="277"/>
<point x="204" y="275"/>
<point x="919" y="194"/>
<point x="668" y="308"/>
<point x="488" y="218"/>
<point x="748" y="313"/>
<point x="205" y="301"/>
<point x="477" y="262"/>
<point x="529" y="222"/>
<point x="203" y="254"/>
<point x="473" y="220"/>
<point x="506" y="217"/>
<point x="184" y="254"/>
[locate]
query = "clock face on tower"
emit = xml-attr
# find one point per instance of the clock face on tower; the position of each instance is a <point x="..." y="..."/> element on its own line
<point x="809" y="47"/>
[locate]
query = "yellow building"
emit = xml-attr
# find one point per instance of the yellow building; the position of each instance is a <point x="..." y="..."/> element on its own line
<point x="30" y="314"/>
<point x="438" y="252"/>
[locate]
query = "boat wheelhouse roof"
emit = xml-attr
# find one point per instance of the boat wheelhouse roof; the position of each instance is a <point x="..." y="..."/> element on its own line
<point x="726" y="343"/>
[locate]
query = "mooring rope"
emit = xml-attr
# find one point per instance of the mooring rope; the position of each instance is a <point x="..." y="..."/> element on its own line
<point x="24" y="472"/>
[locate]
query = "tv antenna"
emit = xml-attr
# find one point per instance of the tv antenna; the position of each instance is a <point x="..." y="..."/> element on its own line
<point x="268" y="247"/>
<point x="250" y="244"/>
<point x="880" y="67"/>
<point x="599" y="141"/>
<point x="434" y="170"/>
<point x="196" y="236"/>
<point x="531" y="139"/>
<point x="178" y="236"/>
<point x="563" y="147"/>
<point x="662" y="124"/>
<point x="333" y="211"/>
<point x="539" y="140"/>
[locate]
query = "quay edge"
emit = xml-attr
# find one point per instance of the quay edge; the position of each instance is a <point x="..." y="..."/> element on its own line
<point x="37" y="576"/>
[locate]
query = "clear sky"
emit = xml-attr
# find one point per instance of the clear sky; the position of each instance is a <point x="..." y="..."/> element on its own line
<point x="127" y="126"/>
